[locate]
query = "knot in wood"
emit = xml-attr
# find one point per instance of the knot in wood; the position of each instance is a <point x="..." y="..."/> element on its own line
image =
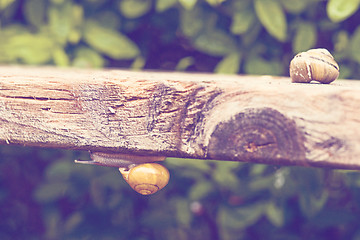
<point x="261" y="135"/>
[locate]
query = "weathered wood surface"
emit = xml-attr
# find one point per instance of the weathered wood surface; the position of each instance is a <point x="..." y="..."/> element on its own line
<point x="239" y="118"/>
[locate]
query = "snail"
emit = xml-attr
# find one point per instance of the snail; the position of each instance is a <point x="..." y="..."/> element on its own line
<point x="140" y="172"/>
<point x="147" y="178"/>
<point x="315" y="64"/>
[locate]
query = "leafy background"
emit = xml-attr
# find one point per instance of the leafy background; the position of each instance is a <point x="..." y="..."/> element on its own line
<point x="44" y="195"/>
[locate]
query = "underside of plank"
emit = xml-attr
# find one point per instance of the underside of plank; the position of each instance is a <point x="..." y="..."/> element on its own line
<point x="260" y="119"/>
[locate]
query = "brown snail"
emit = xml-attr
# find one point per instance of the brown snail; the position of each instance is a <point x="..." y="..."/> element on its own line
<point x="147" y="178"/>
<point x="314" y="65"/>
<point x="140" y="172"/>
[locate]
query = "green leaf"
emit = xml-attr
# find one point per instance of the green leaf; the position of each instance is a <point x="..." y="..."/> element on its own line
<point x="258" y="169"/>
<point x="260" y="66"/>
<point x="28" y="48"/>
<point x="342" y="41"/>
<point x="50" y="192"/>
<point x="34" y="11"/>
<point x="88" y="58"/>
<point x="229" y="64"/>
<point x="354" y="45"/>
<point x="275" y="215"/>
<point x="339" y="10"/>
<point x="183" y="213"/>
<point x="74" y="36"/>
<point x="60" y="57"/>
<point x="138" y="63"/>
<point x="242" y="21"/>
<point x="62" y="20"/>
<point x="252" y="35"/>
<point x="73" y="221"/>
<point x="215" y="2"/>
<point x="134" y="8"/>
<point x="295" y="6"/>
<point x="262" y="183"/>
<point x="5" y="3"/>
<point x="109" y="42"/>
<point x="346" y="72"/>
<point x="192" y="22"/>
<point x="272" y="17"/>
<point x="238" y="218"/>
<point x="224" y="174"/>
<point x="215" y="42"/>
<point x="184" y="63"/>
<point x="311" y="205"/>
<point x="59" y="171"/>
<point x="163" y="5"/>
<point x="305" y="37"/>
<point x="188" y="4"/>
<point x="201" y="189"/>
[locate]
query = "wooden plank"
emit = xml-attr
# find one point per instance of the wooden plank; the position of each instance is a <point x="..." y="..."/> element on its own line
<point x="239" y="118"/>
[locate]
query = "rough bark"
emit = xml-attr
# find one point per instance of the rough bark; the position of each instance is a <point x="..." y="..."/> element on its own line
<point x="239" y="118"/>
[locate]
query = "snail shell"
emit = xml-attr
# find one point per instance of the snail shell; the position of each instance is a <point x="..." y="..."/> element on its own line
<point x="146" y="178"/>
<point x="315" y="64"/>
<point x="139" y="172"/>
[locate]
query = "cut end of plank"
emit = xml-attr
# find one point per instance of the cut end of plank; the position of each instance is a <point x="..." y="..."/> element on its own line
<point x="259" y="135"/>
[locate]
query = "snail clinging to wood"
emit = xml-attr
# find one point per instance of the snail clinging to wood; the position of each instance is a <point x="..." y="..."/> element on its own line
<point x="140" y="172"/>
<point x="147" y="178"/>
<point x="314" y="65"/>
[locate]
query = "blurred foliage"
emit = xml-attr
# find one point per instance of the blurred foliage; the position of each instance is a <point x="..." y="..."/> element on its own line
<point x="223" y="36"/>
<point x="44" y="195"/>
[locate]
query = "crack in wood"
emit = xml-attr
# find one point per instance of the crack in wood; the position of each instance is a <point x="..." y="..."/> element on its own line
<point x="37" y="98"/>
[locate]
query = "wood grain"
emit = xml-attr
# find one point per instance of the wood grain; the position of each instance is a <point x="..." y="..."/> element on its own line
<point x="239" y="118"/>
